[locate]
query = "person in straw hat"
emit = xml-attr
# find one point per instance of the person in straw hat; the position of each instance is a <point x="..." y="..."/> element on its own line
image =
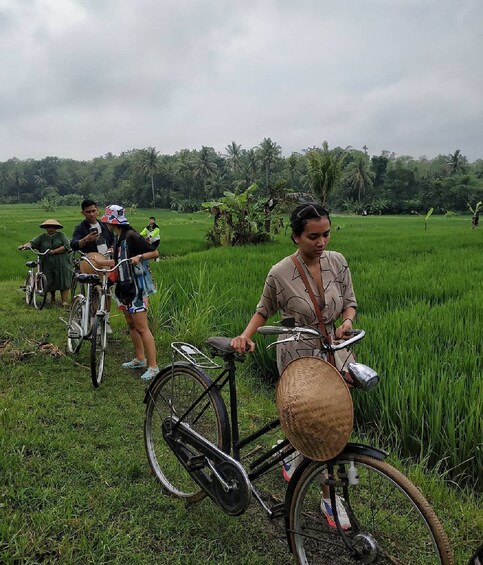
<point x="329" y="277"/>
<point x="133" y="287"/>
<point x="56" y="265"/>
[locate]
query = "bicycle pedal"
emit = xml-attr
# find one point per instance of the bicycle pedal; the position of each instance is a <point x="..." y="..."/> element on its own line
<point x="196" y="463"/>
<point x="277" y="510"/>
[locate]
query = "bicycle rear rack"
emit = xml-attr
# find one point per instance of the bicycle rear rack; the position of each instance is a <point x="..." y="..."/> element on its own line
<point x="193" y="355"/>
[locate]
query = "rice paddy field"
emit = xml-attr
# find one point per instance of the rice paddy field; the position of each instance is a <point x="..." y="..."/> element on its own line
<point x="74" y="482"/>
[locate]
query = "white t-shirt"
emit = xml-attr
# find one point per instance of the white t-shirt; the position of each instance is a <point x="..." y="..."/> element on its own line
<point x="100" y="241"/>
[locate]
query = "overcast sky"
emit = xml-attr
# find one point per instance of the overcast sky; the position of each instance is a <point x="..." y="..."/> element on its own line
<point x="81" y="78"/>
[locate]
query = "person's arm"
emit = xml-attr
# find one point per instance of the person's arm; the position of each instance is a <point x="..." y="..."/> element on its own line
<point x="243" y="342"/>
<point x="63" y="248"/>
<point x="349" y="304"/>
<point x="348" y="316"/>
<point x="80" y="238"/>
<point x="139" y="249"/>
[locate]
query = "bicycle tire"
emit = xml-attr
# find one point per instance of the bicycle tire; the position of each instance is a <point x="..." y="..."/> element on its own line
<point x="98" y="349"/>
<point x="76" y="287"/>
<point x="75" y="327"/>
<point x="385" y="504"/>
<point x="178" y="387"/>
<point x="95" y="302"/>
<point x="40" y="290"/>
<point x="29" y="288"/>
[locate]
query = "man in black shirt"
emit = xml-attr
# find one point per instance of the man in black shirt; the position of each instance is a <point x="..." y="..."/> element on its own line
<point x="90" y="235"/>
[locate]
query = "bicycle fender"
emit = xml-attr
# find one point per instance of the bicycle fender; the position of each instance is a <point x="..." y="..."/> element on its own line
<point x="165" y="370"/>
<point x="362" y="449"/>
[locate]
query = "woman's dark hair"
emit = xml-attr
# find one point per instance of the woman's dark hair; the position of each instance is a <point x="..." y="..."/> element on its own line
<point x="152" y="218"/>
<point x="305" y="212"/>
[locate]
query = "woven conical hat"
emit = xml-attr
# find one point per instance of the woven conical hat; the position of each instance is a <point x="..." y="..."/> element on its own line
<point x="97" y="259"/>
<point x="315" y="408"/>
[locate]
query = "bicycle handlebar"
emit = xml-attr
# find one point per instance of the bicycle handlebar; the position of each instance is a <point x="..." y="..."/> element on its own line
<point x="104" y="269"/>
<point x="301" y="333"/>
<point x="28" y="248"/>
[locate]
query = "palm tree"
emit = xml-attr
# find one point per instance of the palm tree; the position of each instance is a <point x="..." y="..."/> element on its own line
<point x="205" y="166"/>
<point x="5" y="177"/>
<point x="292" y="165"/>
<point x="39" y="178"/>
<point x="19" y="180"/>
<point x="456" y="162"/>
<point x="324" y="168"/>
<point x="269" y="152"/>
<point x="233" y="158"/>
<point x="360" y="175"/>
<point x="149" y="164"/>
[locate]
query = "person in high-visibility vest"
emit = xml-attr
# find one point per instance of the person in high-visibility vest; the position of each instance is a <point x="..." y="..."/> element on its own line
<point x="151" y="232"/>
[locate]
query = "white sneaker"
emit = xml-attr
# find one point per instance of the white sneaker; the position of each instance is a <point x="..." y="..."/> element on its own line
<point x="326" y="508"/>
<point x="108" y="329"/>
<point x="289" y="463"/>
<point x="150" y="373"/>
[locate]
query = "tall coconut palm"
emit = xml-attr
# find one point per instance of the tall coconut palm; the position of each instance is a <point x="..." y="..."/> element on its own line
<point x="233" y="158"/>
<point x="5" y="178"/>
<point x="456" y="162"/>
<point x="149" y="164"/>
<point x="19" y="180"/>
<point x="324" y="170"/>
<point x="269" y="152"/>
<point x="205" y="166"/>
<point x="292" y="165"/>
<point x="360" y="175"/>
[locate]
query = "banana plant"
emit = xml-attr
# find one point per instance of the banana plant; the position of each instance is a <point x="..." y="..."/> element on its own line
<point x="430" y="211"/>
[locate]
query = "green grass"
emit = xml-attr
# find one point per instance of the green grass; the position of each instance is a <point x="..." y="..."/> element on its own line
<point x="75" y="485"/>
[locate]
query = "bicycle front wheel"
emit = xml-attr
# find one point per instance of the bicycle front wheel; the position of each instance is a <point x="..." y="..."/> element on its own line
<point x="40" y="290"/>
<point x="174" y="391"/>
<point x="75" y="286"/>
<point x="29" y="288"/>
<point x="391" y="521"/>
<point x="74" y="328"/>
<point x="94" y="304"/>
<point x="98" y="349"/>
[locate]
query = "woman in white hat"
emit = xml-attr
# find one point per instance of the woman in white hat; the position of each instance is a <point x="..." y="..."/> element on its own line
<point x="133" y="287"/>
<point x="56" y="265"/>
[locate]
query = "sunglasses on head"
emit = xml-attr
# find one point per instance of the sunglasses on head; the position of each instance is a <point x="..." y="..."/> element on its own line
<point x="307" y="210"/>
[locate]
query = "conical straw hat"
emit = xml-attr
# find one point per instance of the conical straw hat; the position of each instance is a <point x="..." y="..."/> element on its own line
<point x="315" y="408"/>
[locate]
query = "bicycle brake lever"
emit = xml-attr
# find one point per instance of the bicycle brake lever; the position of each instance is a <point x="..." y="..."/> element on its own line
<point x="278" y="342"/>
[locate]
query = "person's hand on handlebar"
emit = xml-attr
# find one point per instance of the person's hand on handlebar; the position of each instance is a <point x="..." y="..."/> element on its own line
<point x="242" y="344"/>
<point x="344" y="330"/>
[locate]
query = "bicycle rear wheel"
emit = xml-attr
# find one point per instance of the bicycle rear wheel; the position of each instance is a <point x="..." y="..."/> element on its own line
<point x="98" y="349"/>
<point x="74" y="327"/>
<point x="172" y="393"/>
<point x="29" y="287"/>
<point x="391" y="520"/>
<point x="40" y="290"/>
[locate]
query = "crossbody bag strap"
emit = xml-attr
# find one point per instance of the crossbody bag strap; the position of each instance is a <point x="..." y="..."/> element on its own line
<point x="318" y="312"/>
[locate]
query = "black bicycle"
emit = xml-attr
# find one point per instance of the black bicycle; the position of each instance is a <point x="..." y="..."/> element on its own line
<point x="194" y="448"/>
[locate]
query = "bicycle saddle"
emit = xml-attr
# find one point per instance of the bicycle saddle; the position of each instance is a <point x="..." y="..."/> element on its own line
<point x="221" y="346"/>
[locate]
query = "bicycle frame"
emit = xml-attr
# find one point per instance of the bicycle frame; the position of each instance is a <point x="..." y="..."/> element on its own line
<point x="35" y="275"/>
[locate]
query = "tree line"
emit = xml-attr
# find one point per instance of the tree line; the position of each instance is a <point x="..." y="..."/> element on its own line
<point x="344" y="179"/>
